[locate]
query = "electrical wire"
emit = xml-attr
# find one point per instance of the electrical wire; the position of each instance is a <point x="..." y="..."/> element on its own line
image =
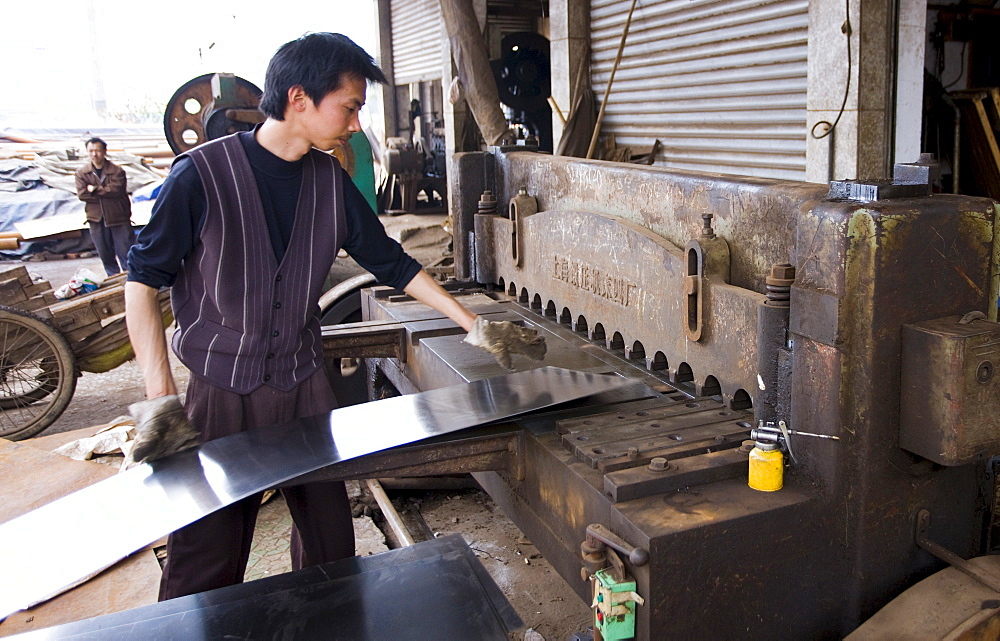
<point x="846" y="29"/>
<point x="961" y="68"/>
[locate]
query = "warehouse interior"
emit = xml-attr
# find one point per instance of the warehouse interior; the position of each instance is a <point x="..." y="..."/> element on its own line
<point x="759" y="239"/>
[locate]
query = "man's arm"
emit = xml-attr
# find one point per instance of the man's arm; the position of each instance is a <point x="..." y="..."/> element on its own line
<point x="502" y="339"/>
<point x="162" y="427"/>
<point x="426" y="290"/>
<point x="83" y="188"/>
<point x="114" y="184"/>
<point x="145" y="330"/>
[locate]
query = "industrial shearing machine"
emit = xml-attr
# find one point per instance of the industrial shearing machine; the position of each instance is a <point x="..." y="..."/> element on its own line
<point x="852" y="325"/>
<point x="784" y="426"/>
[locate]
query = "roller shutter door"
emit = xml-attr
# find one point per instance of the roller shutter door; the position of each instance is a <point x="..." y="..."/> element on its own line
<point x="721" y="83"/>
<point x="417" y="26"/>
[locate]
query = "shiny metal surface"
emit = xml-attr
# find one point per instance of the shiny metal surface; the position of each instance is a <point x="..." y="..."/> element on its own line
<point x="115" y="517"/>
<point x="434" y="590"/>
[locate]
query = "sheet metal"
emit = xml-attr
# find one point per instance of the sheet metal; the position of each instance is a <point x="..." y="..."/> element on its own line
<point x="394" y="595"/>
<point x="54" y="547"/>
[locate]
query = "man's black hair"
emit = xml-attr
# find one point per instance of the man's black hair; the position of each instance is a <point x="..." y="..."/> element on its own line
<point x="97" y="141"/>
<point x="317" y="62"/>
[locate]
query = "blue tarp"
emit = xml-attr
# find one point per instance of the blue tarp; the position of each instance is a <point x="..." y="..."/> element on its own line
<point x="36" y="189"/>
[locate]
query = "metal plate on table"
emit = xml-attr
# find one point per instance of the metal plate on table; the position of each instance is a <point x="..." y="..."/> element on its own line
<point x="433" y="590"/>
<point x="120" y="515"/>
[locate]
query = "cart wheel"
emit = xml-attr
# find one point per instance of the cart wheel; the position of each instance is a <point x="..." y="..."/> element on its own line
<point x="37" y="374"/>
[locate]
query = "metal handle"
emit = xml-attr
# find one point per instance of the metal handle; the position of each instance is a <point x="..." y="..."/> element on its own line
<point x="636" y="556"/>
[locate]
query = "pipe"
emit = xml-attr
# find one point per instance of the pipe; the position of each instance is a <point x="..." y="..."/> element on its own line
<point x="389" y="512"/>
<point x="956" y="152"/>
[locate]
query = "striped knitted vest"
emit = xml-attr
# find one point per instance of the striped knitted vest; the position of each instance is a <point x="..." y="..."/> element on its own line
<point x="244" y="319"/>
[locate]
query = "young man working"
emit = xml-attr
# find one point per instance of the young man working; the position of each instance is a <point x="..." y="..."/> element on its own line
<point x="102" y="185"/>
<point x="244" y="231"/>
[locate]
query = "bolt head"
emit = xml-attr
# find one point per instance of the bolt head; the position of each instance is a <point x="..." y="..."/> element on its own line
<point x="659" y="464"/>
<point x="781" y="274"/>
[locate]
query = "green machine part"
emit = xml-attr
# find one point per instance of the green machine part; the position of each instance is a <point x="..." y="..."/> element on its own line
<point x="614" y="606"/>
<point x="364" y="167"/>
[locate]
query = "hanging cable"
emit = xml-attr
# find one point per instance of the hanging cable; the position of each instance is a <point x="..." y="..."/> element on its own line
<point x="846" y="30"/>
<point x="961" y="69"/>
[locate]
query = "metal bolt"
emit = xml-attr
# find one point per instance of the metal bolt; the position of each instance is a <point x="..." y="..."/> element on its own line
<point x="706" y="230"/>
<point x="633" y="453"/>
<point x="746" y="446"/>
<point x="487" y="203"/>
<point x="782" y="272"/>
<point x="779" y="283"/>
<point x="659" y="464"/>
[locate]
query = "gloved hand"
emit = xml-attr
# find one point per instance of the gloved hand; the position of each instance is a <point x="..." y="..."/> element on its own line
<point x="162" y="428"/>
<point x="503" y="338"/>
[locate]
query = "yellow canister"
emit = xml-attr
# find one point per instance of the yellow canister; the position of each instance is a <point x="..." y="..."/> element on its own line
<point x="767" y="467"/>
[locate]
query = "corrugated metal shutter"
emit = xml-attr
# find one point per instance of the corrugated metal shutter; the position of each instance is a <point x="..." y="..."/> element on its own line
<point x="721" y="83"/>
<point x="505" y="17"/>
<point x="416" y="40"/>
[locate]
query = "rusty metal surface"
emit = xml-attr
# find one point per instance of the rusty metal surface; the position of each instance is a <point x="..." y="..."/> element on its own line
<point x="949" y="378"/>
<point x="633" y="434"/>
<point x="639" y="482"/>
<point x="946" y="605"/>
<point x="469" y="453"/>
<point x="364" y="340"/>
<point x="719" y="524"/>
<point x="756" y="215"/>
<point x="594" y="270"/>
<point x="607" y="266"/>
<point x="877" y="268"/>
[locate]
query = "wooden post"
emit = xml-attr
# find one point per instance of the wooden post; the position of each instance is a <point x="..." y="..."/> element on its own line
<point x="607" y="90"/>
<point x="472" y="60"/>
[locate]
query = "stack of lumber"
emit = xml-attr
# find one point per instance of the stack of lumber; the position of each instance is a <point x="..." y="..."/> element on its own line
<point x="76" y="318"/>
<point x="18" y="290"/>
<point x="93" y="323"/>
<point x="979" y="165"/>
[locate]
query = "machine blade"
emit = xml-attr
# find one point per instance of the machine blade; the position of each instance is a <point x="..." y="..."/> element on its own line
<point x="57" y="545"/>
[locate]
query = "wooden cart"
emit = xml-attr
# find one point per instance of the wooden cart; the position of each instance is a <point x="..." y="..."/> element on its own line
<point x="47" y="343"/>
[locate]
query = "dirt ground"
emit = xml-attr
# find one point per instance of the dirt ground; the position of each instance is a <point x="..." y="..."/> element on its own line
<point x="551" y="611"/>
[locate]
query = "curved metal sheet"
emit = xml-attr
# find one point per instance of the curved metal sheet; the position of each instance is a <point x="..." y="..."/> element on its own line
<point x="120" y="515"/>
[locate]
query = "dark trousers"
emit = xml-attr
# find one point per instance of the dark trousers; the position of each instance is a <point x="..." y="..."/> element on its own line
<point x="112" y="245"/>
<point x="213" y="551"/>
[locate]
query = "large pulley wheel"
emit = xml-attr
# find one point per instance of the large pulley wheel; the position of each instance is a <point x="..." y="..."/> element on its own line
<point x="191" y="117"/>
<point x="37" y="374"/>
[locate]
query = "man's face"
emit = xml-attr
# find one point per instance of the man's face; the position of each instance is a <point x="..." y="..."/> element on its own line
<point x="335" y="118"/>
<point x="97" y="154"/>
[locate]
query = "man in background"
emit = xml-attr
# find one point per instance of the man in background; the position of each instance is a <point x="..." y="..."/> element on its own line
<point x="101" y="184"/>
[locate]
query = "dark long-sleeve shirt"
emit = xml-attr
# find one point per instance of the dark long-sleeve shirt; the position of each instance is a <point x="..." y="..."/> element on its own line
<point x="179" y="212"/>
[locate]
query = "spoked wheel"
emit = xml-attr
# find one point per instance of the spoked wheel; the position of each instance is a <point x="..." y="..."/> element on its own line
<point x="37" y="374"/>
<point x="184" y="119"/>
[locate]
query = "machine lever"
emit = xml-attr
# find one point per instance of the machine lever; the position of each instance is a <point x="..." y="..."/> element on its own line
<point x="636" y="556"/>
<point x="949" y="557"/>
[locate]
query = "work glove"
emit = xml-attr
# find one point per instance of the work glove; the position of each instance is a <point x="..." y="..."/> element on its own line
<point x="503" y="338"/>
<point x="161" y="428"/>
